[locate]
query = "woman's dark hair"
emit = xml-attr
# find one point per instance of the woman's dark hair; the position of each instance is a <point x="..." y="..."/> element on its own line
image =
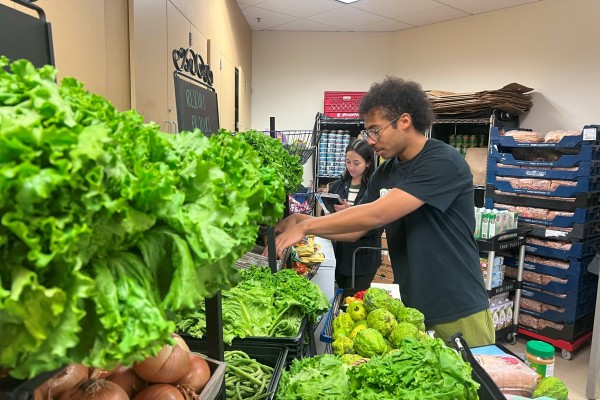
<point x="394" y="97"/>
<point x="365" y="151"/>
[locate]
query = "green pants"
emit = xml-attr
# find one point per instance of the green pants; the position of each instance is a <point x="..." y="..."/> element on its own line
<point x="477" y="329"/>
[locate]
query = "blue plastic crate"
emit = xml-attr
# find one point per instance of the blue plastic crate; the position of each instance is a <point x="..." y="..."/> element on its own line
<point x="569" y="299"/>
<point x="580" y="216"/>
<point x="589" y="135"/>
<point x="575" y="267"/>
<point x="585" y="153"/>
<point x="572" y="284"/>
<point x="567" y="314"/>
<point x="583" y="185"/>
<point x="584" y="168"/>
<point x="578" y="250"/>
<point x="579" y="200"/>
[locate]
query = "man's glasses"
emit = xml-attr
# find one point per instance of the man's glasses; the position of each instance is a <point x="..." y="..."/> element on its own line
<point x="373" y="134"/>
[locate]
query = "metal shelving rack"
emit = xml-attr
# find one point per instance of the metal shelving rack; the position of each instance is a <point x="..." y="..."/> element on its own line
<point x="322" y="123"/>
<point x="505" y="242"/>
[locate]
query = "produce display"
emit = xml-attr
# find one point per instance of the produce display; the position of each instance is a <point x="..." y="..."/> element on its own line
<point x="174" y="374"/>
<point x="416" y="370"/>
<point x="109" y="225"/>
<point x="246" y="378"/>
<point x="262" y="304"/>
<point x="375" y="324"/>
<point x="273" y="154"/>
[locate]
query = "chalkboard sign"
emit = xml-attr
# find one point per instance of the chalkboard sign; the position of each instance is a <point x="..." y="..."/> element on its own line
<point x="24" y="36"/>
<point x="196" y="107"/>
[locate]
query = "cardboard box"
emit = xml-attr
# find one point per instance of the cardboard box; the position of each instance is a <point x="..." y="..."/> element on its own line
<point x="384" y="274"/>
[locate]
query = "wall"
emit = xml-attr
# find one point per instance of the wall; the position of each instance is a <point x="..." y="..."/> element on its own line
<point x="223" y="23"/>
<point x="551" y="46"/>
<point x="90" y="44"/>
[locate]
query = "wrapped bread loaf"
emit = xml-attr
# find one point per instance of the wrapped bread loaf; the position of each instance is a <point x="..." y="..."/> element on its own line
<point x="556" y="136"/>
<point x="525" y="136"/>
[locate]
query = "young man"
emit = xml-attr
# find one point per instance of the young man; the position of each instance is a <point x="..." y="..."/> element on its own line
<point x="423" y="196"/>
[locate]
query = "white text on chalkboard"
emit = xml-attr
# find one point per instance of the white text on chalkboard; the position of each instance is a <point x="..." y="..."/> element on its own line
<point x="202" y="123"/>
<point x="195" y="100"/>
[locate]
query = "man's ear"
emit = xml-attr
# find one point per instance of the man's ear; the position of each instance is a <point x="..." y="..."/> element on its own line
<point x="405" y="121"/>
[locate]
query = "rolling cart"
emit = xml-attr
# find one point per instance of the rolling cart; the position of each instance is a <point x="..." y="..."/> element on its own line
<point x="506" y="242"/>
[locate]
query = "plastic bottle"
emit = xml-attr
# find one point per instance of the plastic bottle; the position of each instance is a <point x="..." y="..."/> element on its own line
<point x="540" y="357"/>
<point x="509" y="312"/>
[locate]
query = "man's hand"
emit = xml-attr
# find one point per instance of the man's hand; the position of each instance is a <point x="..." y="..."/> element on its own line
<point x="290" y="237"/>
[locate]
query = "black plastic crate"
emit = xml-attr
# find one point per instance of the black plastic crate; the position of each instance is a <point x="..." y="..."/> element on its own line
<point x="298" y="346"/>
<point x="577" y="232"/>
<point x="270" y="355"/>
<point x="509" y="239"/>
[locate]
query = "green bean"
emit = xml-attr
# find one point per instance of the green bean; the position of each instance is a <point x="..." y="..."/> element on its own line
<point x="245" y="378"/>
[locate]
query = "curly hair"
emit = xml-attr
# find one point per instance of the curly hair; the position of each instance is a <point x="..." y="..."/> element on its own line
<point x="395" y="96"/>
<point x="362" y="148"/>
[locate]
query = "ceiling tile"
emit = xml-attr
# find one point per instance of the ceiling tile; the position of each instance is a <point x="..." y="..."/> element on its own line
<point x="394" y="7"/>
<point x="300" y="9"/>
<point x="481" y="6"/>
<point x="308" y="26"/>
<point x="386" y="25"/>
<point x="346" y="17"/>
<point x="268" y="19"/>
<point x="431" y="16"/>
<point x="250" y="2"/>
<point x="243" y="5"/>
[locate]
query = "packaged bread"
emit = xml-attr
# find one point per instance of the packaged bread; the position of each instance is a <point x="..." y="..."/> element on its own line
<point x="556" y="136"/>
<point x="510" y="374"/>
<point x="539" y="323"/>
<point x="525" y="136"/>
<point x="534" y="184"/>
<point x="532" y="212"/>
<point x="555" y="184"/>
<point x="547" y="261"/>
<point x="549" y="243"/>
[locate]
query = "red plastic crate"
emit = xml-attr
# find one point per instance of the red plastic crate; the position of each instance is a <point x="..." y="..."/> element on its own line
<point x="342" y="104"/>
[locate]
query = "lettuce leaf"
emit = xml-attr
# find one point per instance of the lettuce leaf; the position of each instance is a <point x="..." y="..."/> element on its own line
<point x="314" y="378"/>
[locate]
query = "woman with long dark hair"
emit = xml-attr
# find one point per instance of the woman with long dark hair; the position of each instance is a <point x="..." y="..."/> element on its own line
<point x="360" y="164"/>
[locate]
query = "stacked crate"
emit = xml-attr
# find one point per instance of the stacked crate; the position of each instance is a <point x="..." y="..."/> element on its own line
<point x="555" y="187"/>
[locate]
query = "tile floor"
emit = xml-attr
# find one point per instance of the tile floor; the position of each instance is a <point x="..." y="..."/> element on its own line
<point x="573" y="372"/>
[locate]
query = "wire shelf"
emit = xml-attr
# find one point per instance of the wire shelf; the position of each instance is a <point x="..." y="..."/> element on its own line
<point x="300" y="143"/>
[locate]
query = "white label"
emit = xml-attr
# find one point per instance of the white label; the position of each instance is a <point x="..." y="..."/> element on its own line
<point x="383" y="192"/>
<point x="589" y="133"/>
<point x="553" y="233"/>
<point x="550" y="369"/>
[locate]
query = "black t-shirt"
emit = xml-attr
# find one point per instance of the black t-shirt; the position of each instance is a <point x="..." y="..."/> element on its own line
<point x="433" y="250"/>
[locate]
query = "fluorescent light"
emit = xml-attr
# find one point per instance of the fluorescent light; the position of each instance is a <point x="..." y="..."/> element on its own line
<point x="347" y="1"/>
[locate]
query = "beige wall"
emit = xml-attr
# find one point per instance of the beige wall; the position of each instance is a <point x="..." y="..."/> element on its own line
<point x="91" y="44"/>
<point x="551" y="45"/>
